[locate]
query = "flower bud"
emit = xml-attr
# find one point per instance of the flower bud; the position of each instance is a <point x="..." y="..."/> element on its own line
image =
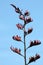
<point x="31" y="44"/>
<point x="20" y="26"/>
<point x="28" y="20"/>
<point x="26" y="13"/>
<point x="21" y="17"/>
<point x="30" y="30"/>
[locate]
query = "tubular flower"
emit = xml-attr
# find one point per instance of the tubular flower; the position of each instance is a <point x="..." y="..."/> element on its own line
<point x="21" y="17"/>
<point x="30" y="30"/>
<point x="28" y="20"/>
<point x="37" y="42"/>
<point x="20" y="26"/>
<point x="15" y="50"/>
<point x="31" y="44"/>
<point x="18" y="38"/>
<point x="26" y="13"/>
<point x="37" y="56"/>
<point x="31" y="59"/>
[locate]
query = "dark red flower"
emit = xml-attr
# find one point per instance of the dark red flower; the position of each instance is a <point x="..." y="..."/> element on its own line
<point x="37" y="56"/>
<point x="18" y="38"/>
<point x="20" y="26"/>
<point x="31" y="59"/>
<point x="37" y="42"/>
<point x="31" y="43"/>
<point x="21" y="17"/>
<point x="28" y="20"/>
<point x="26" y="13"/>
<point x="30" y="30"/>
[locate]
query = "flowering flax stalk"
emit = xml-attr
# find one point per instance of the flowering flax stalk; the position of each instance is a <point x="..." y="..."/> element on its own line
<point x="18" y="38"/>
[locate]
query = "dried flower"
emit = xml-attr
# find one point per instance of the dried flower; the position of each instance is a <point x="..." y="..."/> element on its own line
<point x="26" y="13"/>
<point x="21" y="17"/>
<point x="30" y="30"/>
<point x="18" y="38"/>
<point x="20" y="26"/>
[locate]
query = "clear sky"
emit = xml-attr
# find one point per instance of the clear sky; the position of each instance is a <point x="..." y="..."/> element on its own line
<point x="8" y="21"/>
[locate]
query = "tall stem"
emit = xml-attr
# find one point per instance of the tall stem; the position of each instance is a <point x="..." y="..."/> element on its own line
<point x="24" y="46"/>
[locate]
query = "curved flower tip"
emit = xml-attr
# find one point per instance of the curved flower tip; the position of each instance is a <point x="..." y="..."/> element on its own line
<point x="21" y="17"/>
<point x="18" y="38"/>
<point x="20" y="26"/>
<point x="26" y="13"/>
<point x="30" y="30"/>
<point x="28" y="20"/>
<point x="17" y="10"/>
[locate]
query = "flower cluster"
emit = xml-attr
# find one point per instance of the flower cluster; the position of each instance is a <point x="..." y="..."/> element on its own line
<point x="19" y="26"/>
<point x="15" y="50"/>
<point x="36" y="42"/>
<point x="17" y="38"/>
<point x="29" y="31"/>
<point x="28" y="20"/>
<point x="37" y="56"/>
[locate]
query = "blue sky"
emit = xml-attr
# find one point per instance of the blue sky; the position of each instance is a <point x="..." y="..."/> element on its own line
<point x="8" y="21"/>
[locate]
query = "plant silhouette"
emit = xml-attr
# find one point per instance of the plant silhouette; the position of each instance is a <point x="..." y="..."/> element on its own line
<point x="27" y="19"/>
